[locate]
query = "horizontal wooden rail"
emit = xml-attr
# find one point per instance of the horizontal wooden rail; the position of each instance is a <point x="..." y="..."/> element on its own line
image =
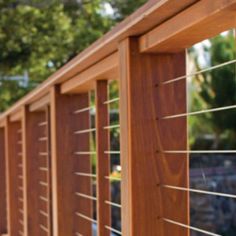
<point x="203" y="20"/>
<point x="16" y="116"/>
<point x="40" y="104"/>
<point x="85" y="81"/>
<point x="2" y="123"/>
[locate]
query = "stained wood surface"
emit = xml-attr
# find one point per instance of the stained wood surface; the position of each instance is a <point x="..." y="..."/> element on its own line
<point x="38" y="172"/>
<point x="3" y="123"/>
<point x="83" y="165"/>
<point x="65" y="163"/>
<point x="40" y="104"/>
<point x="203" y="20"/>
<point x="49" y="164"/>
<point x="173" y="169"/>
<point x="144" y="170"/>
<point x="3" y="192"/>
<point x="85" y="81"/>
<point x="64" y="143"/>
<point x="16" y="116"/>
<point x="16" y="198"/>
<point x="103" y="160"/>
<point x="31" y="131"/>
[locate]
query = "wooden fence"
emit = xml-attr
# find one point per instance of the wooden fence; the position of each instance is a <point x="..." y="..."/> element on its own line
<point x="48" y="182"/>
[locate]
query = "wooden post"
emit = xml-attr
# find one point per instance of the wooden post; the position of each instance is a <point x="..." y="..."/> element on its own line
<point x="31" y="133"/>
<point x="65" y="163"/>
<point x="15" y="173"/>
<point x="103" y="160"/>
<point x="49" y="164"/>
<point x="3" y="208"/>
<point x="145" y="203"/>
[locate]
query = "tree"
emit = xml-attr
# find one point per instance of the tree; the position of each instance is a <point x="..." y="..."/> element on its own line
<point x="123" y="8"/>
<point x="216" y="88"/>
<point x="40" y="37"/>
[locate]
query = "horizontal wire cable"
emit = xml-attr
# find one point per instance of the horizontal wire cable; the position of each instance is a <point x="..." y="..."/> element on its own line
<point x="113" y="178"/>
<point x="190" y="227"/>
<point x="20" y="188"/>
<point x="199" y="191"/>
<point x="113" y="230"/>
<point x="113" y="204"/>
<point x="198" y="151"/>
<point x="43" y="153"/>
<point x="84" y="109"/>
<point x="21" y="222"/>
<point x="43" y="198"/>
<point x="78" y="234"/>
<point x="43" y="213"/>
<point x="44" y="228"/>
<point x="85" y="153"/>
<point x="85" y="131"/>
<point x="86" y="196"/>
<point x="112" y="152"/>
<point x="43" y="183"/>
<point x="86" y="217"/>
<point x="20" y="199"/>
<point x="112" y="126"/>
<point x="42" y="139"/>
<point x="43" y="123"/>
<point x="198" y="72"/>
<point x="20" y="154"/>
<point x="85" y="174"/>
<point x="111" y="100"/>
<point x="43" y="168"/>
<point x="199" y="112"/>
<point x="21" y="211"/>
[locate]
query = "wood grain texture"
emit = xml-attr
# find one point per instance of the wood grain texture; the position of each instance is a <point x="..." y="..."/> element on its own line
<point x="203" y="20"/>
<point x="85" y="81"/>
<point x="65" y="163"/>
<point x="37" y="163"/>
<point x="103" y="160"/>
<point x="31" y="132"/>
<point x="40" y="104"/>
<point x="3" y="192"/>
<point x="84" y="165"/>
<point x="64" y="144"/>
<point x="16" y="116"/>
<point x="49" y="164"/>
<point x="144" y="202"/>
<point x="15" y="196"/>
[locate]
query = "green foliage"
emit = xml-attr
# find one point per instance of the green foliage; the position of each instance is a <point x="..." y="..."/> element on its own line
<point x="42" y="36"/>
<point x="214" y="89"/>
<point x="124" y="8"/>
<point x="39" y="36"/>
<point x="33" y="39"/>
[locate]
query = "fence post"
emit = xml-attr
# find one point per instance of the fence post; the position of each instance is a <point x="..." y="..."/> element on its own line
<point x="15" y="174"/>
<point x="3" y="212"/>
<point x="64" y="162"/>
<point x="103" y="160"/>
<point x="31" y="150"/>
<point x="145" y="170"/>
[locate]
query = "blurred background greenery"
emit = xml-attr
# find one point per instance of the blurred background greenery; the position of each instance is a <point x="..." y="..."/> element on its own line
<point x="38" y="37"/>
